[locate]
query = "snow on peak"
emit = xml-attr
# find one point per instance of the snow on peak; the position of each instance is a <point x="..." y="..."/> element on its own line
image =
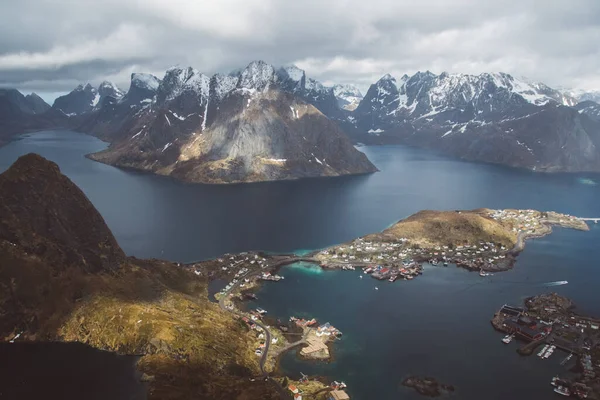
<point x="257" y="75"/>
<point x="86" y="88"/>
<point x="223" y="84"/>
<point x="348" y="96"/>
<point x="107" y="88"/>
<point x="178" y="80"/>
<point x="145" y="81"/>
<point x="294" y="73"/>
<point x="387" y="77"/>
<point x="315" y="85"/>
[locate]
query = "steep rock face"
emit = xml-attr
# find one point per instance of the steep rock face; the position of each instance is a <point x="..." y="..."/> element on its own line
<point x="36" y="104"/>
<point x="109" y="89"/>
<point x="115" y="117"/>
<point x="79" y="101"/>
<point x="490" y="117"/>
<point x="43" y="212"/>
<point x="229" y="128"/>
<point x="589" y="108"/>
<point x="348" y="96"/>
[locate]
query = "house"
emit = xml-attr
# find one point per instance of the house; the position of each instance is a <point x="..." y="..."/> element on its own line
<point x="338" y="395"/>
<point x="293" y="389"/>
<point x="297" y="396"/>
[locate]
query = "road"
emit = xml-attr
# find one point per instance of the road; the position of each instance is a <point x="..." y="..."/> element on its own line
<point x="268" y="336"/>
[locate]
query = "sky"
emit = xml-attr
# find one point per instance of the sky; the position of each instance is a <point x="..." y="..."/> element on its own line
<point x="50" y="46"/>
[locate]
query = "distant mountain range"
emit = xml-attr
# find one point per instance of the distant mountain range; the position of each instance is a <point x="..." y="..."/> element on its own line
<point x="20" y="114"/>
<point x="489" y="117"/>
<point x="266" y="123"/>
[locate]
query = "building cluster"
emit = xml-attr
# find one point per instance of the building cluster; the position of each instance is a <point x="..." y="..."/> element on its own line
<point x="401" y="260"/>
<point x="548" y="322"/>
<point x="530" y="221"/>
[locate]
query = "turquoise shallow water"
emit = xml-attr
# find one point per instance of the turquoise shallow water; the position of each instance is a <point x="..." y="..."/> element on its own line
<point x="436" y="325"/>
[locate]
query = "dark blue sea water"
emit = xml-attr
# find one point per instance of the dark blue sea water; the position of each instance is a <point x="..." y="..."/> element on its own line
<point x="436" y="325"/>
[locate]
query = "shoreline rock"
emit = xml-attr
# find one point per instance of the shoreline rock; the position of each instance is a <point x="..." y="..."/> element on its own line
<point x="427" y="386"/>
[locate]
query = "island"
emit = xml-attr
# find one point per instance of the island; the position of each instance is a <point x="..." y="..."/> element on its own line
<point x="482" y="240"/>
<point x="427" y="386"/>
<point x="549" y="322"/>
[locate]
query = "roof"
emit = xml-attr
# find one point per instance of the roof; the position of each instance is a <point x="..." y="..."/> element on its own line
<point x="339" y="395"/>
<point x="298" y="396"/>
<point x="293" y="388"/>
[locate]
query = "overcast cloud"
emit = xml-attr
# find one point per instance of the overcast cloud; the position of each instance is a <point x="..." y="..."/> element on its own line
<point x="50" y="46"/>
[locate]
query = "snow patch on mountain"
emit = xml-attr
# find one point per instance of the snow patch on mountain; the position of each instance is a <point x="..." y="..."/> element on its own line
<point x="145" y="81"/>
<point x="257" y="75"/>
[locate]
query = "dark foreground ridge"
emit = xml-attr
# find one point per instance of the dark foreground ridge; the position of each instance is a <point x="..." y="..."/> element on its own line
<point x="63" y="277"/>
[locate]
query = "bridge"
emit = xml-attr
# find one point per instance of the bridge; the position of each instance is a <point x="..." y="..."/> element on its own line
<point x="595" y="220"/>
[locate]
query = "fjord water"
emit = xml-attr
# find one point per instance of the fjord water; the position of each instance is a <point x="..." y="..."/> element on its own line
<point x="67" y="371"/>
<point x="436" y="325"/>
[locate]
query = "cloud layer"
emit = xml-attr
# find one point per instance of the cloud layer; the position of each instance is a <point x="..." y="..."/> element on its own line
<point x="52" y="45"/>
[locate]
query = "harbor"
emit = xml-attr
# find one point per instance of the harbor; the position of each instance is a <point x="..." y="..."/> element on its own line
<point x="548" y="324"/>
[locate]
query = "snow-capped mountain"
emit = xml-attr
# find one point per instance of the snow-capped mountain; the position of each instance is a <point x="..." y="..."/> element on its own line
<point x="85" y="98"/>
<point x="79" y="101"/>
<point x="252" y="125"/>
<point x="107" y="88"/>
<point x="488" y="117"/>
<point x="589" y="108"/>
<point x="583" y="95"/>
<point x="348" y="96"/>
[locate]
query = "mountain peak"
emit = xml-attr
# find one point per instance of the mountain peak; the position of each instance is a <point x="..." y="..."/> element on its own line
<point x="47" y="215"/>
<point x="387" y="77"/>
<point x="144" y="81"/>
<point x="257" y="75"/>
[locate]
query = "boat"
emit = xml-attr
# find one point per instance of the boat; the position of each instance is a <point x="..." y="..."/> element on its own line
<point x="445" y="263"/>
<point x="566" y="360"/>
<point x="376" y="288"/>
<point x="556" y="381"/>
<point x="508" y="338"/>
<point x="543" y="351"/>
<point x="562" y="390"/>
<point x="360" y="276"/>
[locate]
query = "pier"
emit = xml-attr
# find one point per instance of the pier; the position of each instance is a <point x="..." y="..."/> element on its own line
<point x="595" y="220"/>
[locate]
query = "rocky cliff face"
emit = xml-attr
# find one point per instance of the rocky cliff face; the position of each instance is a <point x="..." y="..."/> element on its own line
<point x="348" y="96"/>
<point x="251" y="126"/>
<point x="63" y="277"/>
<point x="490" y="117"/>
<point x="85" y="98"/>
<point x="589" y="108"/>
<point x="36" y="104"/>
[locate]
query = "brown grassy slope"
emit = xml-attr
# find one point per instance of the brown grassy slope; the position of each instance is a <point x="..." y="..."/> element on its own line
<point x="448" y="228"/>
<point x="60" y="282"/>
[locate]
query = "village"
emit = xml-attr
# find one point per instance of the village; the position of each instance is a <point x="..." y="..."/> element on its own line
<point x="244" y="272"/>
<point x="387" y="259"/>
<point x="547" y="324"/>
<point x="402" y="258"/>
